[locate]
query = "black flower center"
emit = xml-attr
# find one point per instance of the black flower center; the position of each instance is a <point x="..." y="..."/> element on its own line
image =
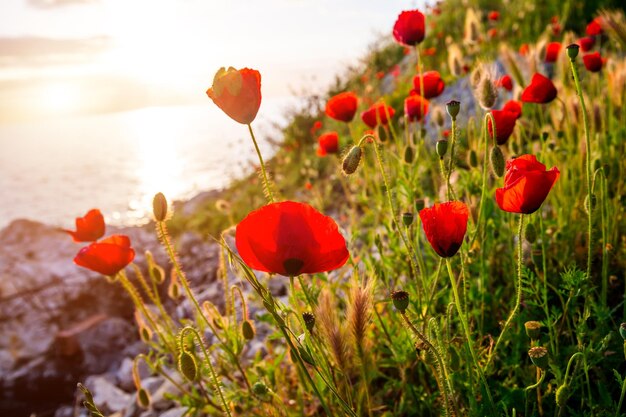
<point x="293" y="266"/>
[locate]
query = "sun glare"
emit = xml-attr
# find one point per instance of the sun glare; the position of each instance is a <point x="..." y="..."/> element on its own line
<point x="60" y="98"/>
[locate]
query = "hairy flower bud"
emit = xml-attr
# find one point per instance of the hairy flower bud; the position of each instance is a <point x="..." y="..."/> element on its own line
<point x="143" y="398"/>
<point x="247" y="329"/>
<point x="159" y="207"/>
<point x="441" y="147"/>
<point x="352" y="160"/>
<point x="187" y="365"/>
<point x="497" y="161"/>
<point x="487" y="93"/>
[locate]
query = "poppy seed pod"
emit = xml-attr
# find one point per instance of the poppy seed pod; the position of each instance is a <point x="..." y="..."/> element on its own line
<point x="572" y="51"/>
<point x="539" y="356"/>
<point x="309" y="320"/>
<point x="159" y="207"/>
<point x="352" y="160"/>
<point x="453" y="107"/>
<point x="407" y="218"/>
<point x="533" y="329"/>
<point x="400" y="300"/>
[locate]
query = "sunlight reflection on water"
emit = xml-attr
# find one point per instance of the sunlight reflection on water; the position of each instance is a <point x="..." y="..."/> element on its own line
<point x="57" y="170"/>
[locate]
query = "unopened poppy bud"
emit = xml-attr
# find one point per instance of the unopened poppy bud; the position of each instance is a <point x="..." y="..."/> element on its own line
<point x="305" y="355"/>
<point x="438" y="116"/>
<point x="453" y="107"/>
<point x="587" y="204"/>
<point x="562" y="394"/>
<point x="487" y="93"/>
<point x="145" y="334"/>
<point x="143" y="398"/>
<point x="159" y="207"/>
<point x="187" y="365"/>
<point x="407" y="219"/>
<point x="400" y="300"/>
<point x="622" y="330"/>
<point x="260" y="389"/>
<point x="351" y="160"/>
<point x="441" y="147"/>
<point x="497" y="161"/>
<point x="530" y="233"/>
<point x="309" y="320"/>
<point x="539" y="356"/>
<point x="572" y="51"/>
<point x="247" y="329"/>
<point x="409" y="154"/>
<point x="533" y="329"/>
<point x="476" y="76"/>
<point x="473" y="159"/>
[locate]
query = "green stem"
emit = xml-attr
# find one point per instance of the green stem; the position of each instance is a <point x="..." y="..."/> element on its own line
<point x="451" y="161"/>
<point x="518" y="288"/>
<point x="266" y="183"/>
<point x="483" y="187"/>
<point x="457" y="302"/>
<point x="621" y="398"/>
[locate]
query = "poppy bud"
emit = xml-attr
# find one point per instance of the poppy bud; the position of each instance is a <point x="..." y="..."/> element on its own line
<point x="407" y="219"/>
<point x="309" y="320"/>
<point x="409" y="154"/>
<point x="453" y="107"/>
<point x="587" y="204"/>
<point x="305" y="355"/>
<point x="562" y="394"/>
<point x="187" y="365"/>
<point x="260" y="389"/>
<point x="622" y="330"/>
<point x="157" y="274"/>
<point x="145" y="334"/>
<point x="572" y="51"/>
<point x="442" y="148"/>
<point x="476" y="76"/>
<point x="539" y="356"/>
<point x="438" y="116"/>
<point x="352" y="160"/>
<point x="533" y="329"/>
<point x="530" y="233"/>
<point x="143" y="398"/>
<point x="497" y="161"/>
<point x="487" y="93"/>
<point x="159" y="207"/>
<point x="247" y="329"/>
<point x="400" y="300"/>
<point x="473" y="159"/>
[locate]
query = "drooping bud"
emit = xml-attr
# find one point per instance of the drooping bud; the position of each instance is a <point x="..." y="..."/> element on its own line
<point x="587" y="204"/>
<point x="473" y="159"/>
<point x="441" y="148"/>
<point x="622" y="330"/>
<point x="400" y="300"/>
<point x="187" y="365"/>
<point x="437" y="115"/>
<point x="407" y="218"/>
<point x="533" y="329"/>
<point x="530" y="233"/>
<point x="260" y="389"/>
<point x="309" y="320"/>
<point x="572" y="51"/>
<point x="143" y="398"/>
<point x="453" y="107"/>
<point x="247" y="329"/>
<point x="539" y="356"/>
<point x="562" y="394"/>
<point x="497" y="161"/>
<point x="159" y="207"/>
<point x="476" y="76"/>
<point x="352" y="160"/>
<point x="409" y="154"/>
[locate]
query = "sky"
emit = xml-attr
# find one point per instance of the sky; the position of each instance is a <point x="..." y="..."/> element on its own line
<point x="89" y="56"/>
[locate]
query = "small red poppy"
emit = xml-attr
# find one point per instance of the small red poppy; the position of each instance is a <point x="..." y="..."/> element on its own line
<point x="433" y="84"/>
<point x="379" y="75"/>
<point x="505" y="123"/>
<point x="593" y="62"/>
<point x="429" y="51"/>
<point x="505" y="82"/>
<point x="88" y="228"/>
<point x="513" y="106"/>
<point x="524" y="49"/>
<point x="594" y="28"/>
<point x="342" y="107"/>
<point x="108" y="256"/>
<point x="445" y="226"/>
<point x="377" y="113"/>
<point x="556" y="29"/>
<point x="526" y="185"/>
<point x="237" y="93"/>
<point x="493" y="15"/>
<point x="328" y="143"/>
<point x="586" y="43"/>
<point x="540" y="90"/>
<point x="290" y="239"/>
<point x="317" y="125"/>
<point x="492" y="33"/>
<point x="415" y="107"/>
<point x="409" y="28"/>
<point x="552" y="51"/>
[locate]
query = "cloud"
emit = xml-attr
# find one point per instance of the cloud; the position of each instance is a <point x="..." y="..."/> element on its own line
<point x="49" y="4"/>
<point x="33" y="50"/>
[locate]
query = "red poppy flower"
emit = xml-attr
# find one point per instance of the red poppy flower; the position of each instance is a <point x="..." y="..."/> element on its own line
<point x="552" y="51"/>
<point x="237" y="93"/>
<point x="415" y="107"/>
<point x="445" y="226"/>
<point x="492" y="33"/>
<point x="513" y="106"/>
<point x="379" y="75"/>
<point x="409" y="28"/>
<point x="88" y="228"/>
<point x="433" y="84"/>
<point x="594" y="28"/>
<point x="108" y="256"/>
<point x="429" y="51"/>
<point x="586" y="43"/>
<point x="556" y="29"/>
<point x="505" y="82"/>
<point x="593" y="62"/>
<point x="342" y="107"/>
<point x="377" y="113"/>
<point x="317" y="125"/>
<point x="505" y="123"/>
<point x="540" y="90"/>
<point x="493" y="15"/>
<point x="328" y="143"/>
<point x="526" y="185"/>
<point x="290" y="239"/>
<point x="523" y="49"/>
